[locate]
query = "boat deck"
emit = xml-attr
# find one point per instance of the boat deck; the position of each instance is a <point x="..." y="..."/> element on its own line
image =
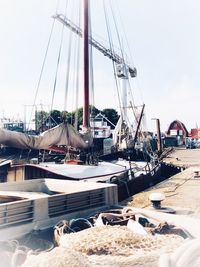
<point x="41" y="203"/>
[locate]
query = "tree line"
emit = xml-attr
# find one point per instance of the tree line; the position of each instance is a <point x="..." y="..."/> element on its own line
<point x="45" y="120"/>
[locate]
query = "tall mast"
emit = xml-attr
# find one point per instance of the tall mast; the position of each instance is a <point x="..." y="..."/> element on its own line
<point x="86" y="64"/>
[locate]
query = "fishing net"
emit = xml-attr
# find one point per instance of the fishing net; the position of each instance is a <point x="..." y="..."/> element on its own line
<point x="120" y="245"/>
<point x="58" y="257"/>
<point x="116" y="241"/>
<point x="106" y="246"/>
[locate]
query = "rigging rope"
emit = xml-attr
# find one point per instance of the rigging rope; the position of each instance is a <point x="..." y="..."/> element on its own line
<point x="73" y="100"/>
<point x="119" y="41"/>
<point x="77" y="75"/>
<point x="43" y="65"/>
<point x="57" y="67"/>
<point x="115" y="74"/>
<point x="111" y="49"/>
<point x="117" y="32"/>
<point x="129" y="50"/>
<point x="41" y="72"/>
<point x="116" y="28"/>
<point x="91" y="69"/>
<point x="124" y="32"/>
<point x="114" y="19"/>
<point x="68" y="67"/>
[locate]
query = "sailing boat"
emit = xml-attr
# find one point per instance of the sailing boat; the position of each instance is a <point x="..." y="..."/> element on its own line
<point x="121" y="69"/>
<point x="104" y="170"/>
<point x="64" y="136"/>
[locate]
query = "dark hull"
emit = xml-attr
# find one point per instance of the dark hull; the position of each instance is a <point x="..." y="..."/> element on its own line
<point x="133" y="155"/>
<point x="145" y="181"/>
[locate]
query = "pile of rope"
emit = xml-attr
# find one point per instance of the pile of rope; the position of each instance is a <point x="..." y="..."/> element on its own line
<point x="106" y="246"/>
<point x="58" y="257"/>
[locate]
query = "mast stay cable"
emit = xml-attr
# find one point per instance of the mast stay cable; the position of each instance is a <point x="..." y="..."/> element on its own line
<point x="42" y="68"/>
<point x="57" y="67"/>
<point x="77" y="76"/>
<point x="91" y="67"/>
<point x="41" y="72"/>
<point x="121" y="49"/>
<point x="111" y="49"/>
<point x="68" y="67"/>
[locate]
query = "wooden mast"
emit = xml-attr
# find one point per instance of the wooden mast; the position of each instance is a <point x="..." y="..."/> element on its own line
<point x="86" y="64"/>
<point x="159" y="136"/>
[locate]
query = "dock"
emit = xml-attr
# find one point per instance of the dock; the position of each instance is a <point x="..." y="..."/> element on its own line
<point x="182" y="191"/>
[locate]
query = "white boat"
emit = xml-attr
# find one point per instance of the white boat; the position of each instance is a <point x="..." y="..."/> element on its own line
<point x="102" y="172"/>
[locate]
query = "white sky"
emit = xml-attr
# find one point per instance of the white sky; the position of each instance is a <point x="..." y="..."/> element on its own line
<point x="164" y="39"/>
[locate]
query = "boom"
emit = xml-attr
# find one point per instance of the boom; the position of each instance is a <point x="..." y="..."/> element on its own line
<point x="105" y="51"/>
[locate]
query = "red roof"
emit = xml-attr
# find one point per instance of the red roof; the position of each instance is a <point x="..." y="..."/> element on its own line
<point x="177" y="125"/>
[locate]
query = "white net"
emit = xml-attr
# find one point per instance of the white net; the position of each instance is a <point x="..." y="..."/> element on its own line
<point x="106" y="246"/>
<point x="116" y="240"/>
<point x="58" y="257"/>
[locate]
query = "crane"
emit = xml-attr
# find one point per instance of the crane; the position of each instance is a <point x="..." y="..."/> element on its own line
<point x="122" y="69"/>
<point x="105" y="51"/>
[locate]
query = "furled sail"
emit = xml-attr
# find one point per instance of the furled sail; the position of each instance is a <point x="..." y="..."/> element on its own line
<point x="61" y="135"/>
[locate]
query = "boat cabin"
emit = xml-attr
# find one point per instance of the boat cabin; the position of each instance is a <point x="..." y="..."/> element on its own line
<point x="100" y="126"/>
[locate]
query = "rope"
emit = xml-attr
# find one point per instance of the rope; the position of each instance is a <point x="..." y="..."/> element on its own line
<point x="130" y="51"/>
<point x="41" y="72"/>
<point x="57" y="66"/>
<point x="117" y="32"/>
<point x="92" y="101"/>
<point x="68" y="66"/>
<point x="91" y="67"/>
<point x="77" y="77"/>
<point x="120" y="44"/>
<point x="124" y="32"/>
<point x="111" y="49"/>
<point x="43" y="64"/>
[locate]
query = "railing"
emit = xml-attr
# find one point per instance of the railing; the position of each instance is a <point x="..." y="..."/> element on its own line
<point x="64" y="204"/>
<point x="16" y="213"/>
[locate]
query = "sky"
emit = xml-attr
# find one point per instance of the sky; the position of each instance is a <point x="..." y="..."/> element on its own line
<point x="161" y="39"/>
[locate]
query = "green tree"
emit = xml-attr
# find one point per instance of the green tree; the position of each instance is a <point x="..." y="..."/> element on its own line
<point x="93" y="111"/>
<point x="79" y="113"/>
<point x="45" y="120"/>
<point x="111" y="114"/>
<point x="40" y="119"/>
<point x="55" y="116"/>
<point x="65" y="116"/>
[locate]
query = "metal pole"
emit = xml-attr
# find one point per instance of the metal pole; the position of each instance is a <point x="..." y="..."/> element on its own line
<point x="24" y="118"/>
<point x="86" y="66"/>
<point x="159" y="143"/>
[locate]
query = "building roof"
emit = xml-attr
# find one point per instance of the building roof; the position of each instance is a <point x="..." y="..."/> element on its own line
<point x="177" y="125"/>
